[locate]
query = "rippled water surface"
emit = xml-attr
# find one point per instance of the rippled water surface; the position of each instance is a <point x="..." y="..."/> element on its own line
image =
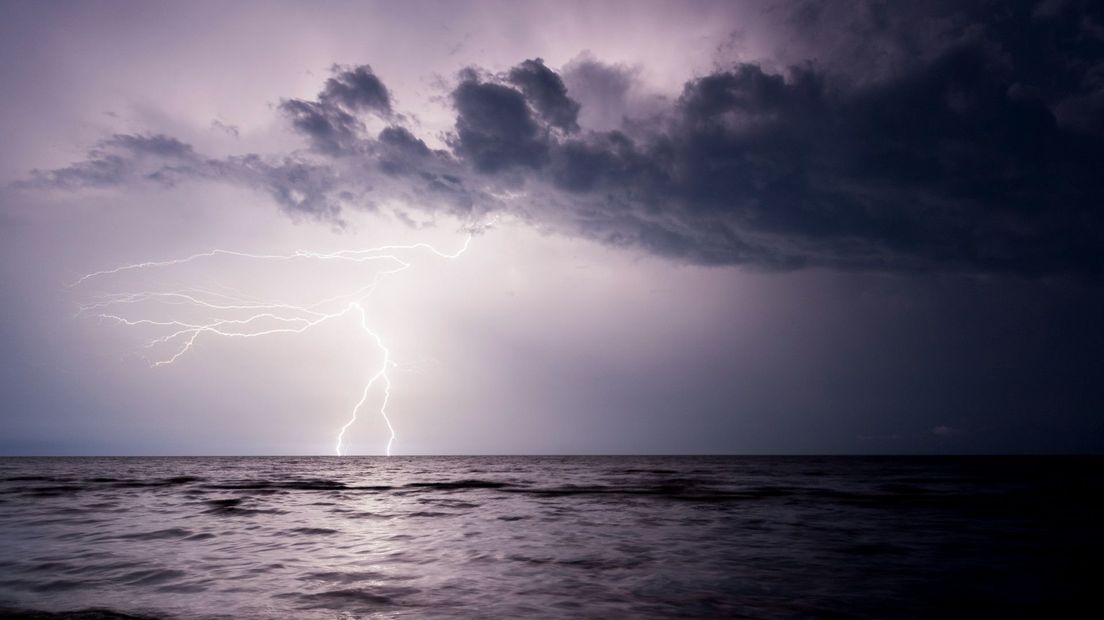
<point x="508" y="537"/>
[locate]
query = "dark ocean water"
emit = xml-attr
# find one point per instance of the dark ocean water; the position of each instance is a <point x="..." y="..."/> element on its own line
<point x="513" y="537"/>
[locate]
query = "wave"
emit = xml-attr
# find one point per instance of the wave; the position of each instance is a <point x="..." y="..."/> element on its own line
<point x="93" y="613"/>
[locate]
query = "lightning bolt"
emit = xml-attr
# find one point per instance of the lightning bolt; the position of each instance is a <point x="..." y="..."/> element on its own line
<point x="266" y="317"/>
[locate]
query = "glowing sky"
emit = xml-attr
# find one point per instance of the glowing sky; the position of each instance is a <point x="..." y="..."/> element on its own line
<point x="718" y="226"/>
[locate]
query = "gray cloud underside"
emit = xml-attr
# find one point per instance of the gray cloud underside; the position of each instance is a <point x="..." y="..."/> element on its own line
<point x="981" y="156"/>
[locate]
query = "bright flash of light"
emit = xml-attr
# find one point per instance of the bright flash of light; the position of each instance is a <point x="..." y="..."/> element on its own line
<point x="265" y="317"/>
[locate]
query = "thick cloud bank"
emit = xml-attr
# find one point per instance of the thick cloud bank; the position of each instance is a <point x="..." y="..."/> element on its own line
<point x="982" y="153"/>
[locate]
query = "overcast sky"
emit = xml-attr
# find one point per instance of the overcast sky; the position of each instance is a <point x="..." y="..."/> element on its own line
<point x="690" y="227"/>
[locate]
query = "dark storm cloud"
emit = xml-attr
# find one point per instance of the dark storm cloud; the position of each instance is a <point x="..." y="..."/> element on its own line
<point x="973" y="143"/>
<point x="357" y="89"/>
<point x="952" y="166"/>
<point x="981" y="155"/>
<point x="402" y="152"/>
<point x="495" y="128"/>
<point x="330" y="122"/>
<point x="331" y="130"/>
<point x="546" y="90"/>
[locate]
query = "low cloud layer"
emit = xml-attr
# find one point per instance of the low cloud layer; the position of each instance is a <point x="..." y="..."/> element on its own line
<point x="980" y="154"/>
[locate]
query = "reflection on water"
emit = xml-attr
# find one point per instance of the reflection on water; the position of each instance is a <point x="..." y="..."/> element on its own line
<point x="604" y="537"/>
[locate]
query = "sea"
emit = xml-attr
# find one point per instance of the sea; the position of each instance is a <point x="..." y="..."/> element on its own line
<point x="551" y="537"/>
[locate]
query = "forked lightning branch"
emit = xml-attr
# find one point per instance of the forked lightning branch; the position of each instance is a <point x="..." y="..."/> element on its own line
<point x="236" y="316"/>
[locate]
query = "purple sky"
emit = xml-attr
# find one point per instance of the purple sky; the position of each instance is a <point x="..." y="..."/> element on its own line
<point x="732" y="227"/>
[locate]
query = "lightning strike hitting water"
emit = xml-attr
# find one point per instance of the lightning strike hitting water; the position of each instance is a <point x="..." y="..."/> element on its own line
<point x="267" y="317"/>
